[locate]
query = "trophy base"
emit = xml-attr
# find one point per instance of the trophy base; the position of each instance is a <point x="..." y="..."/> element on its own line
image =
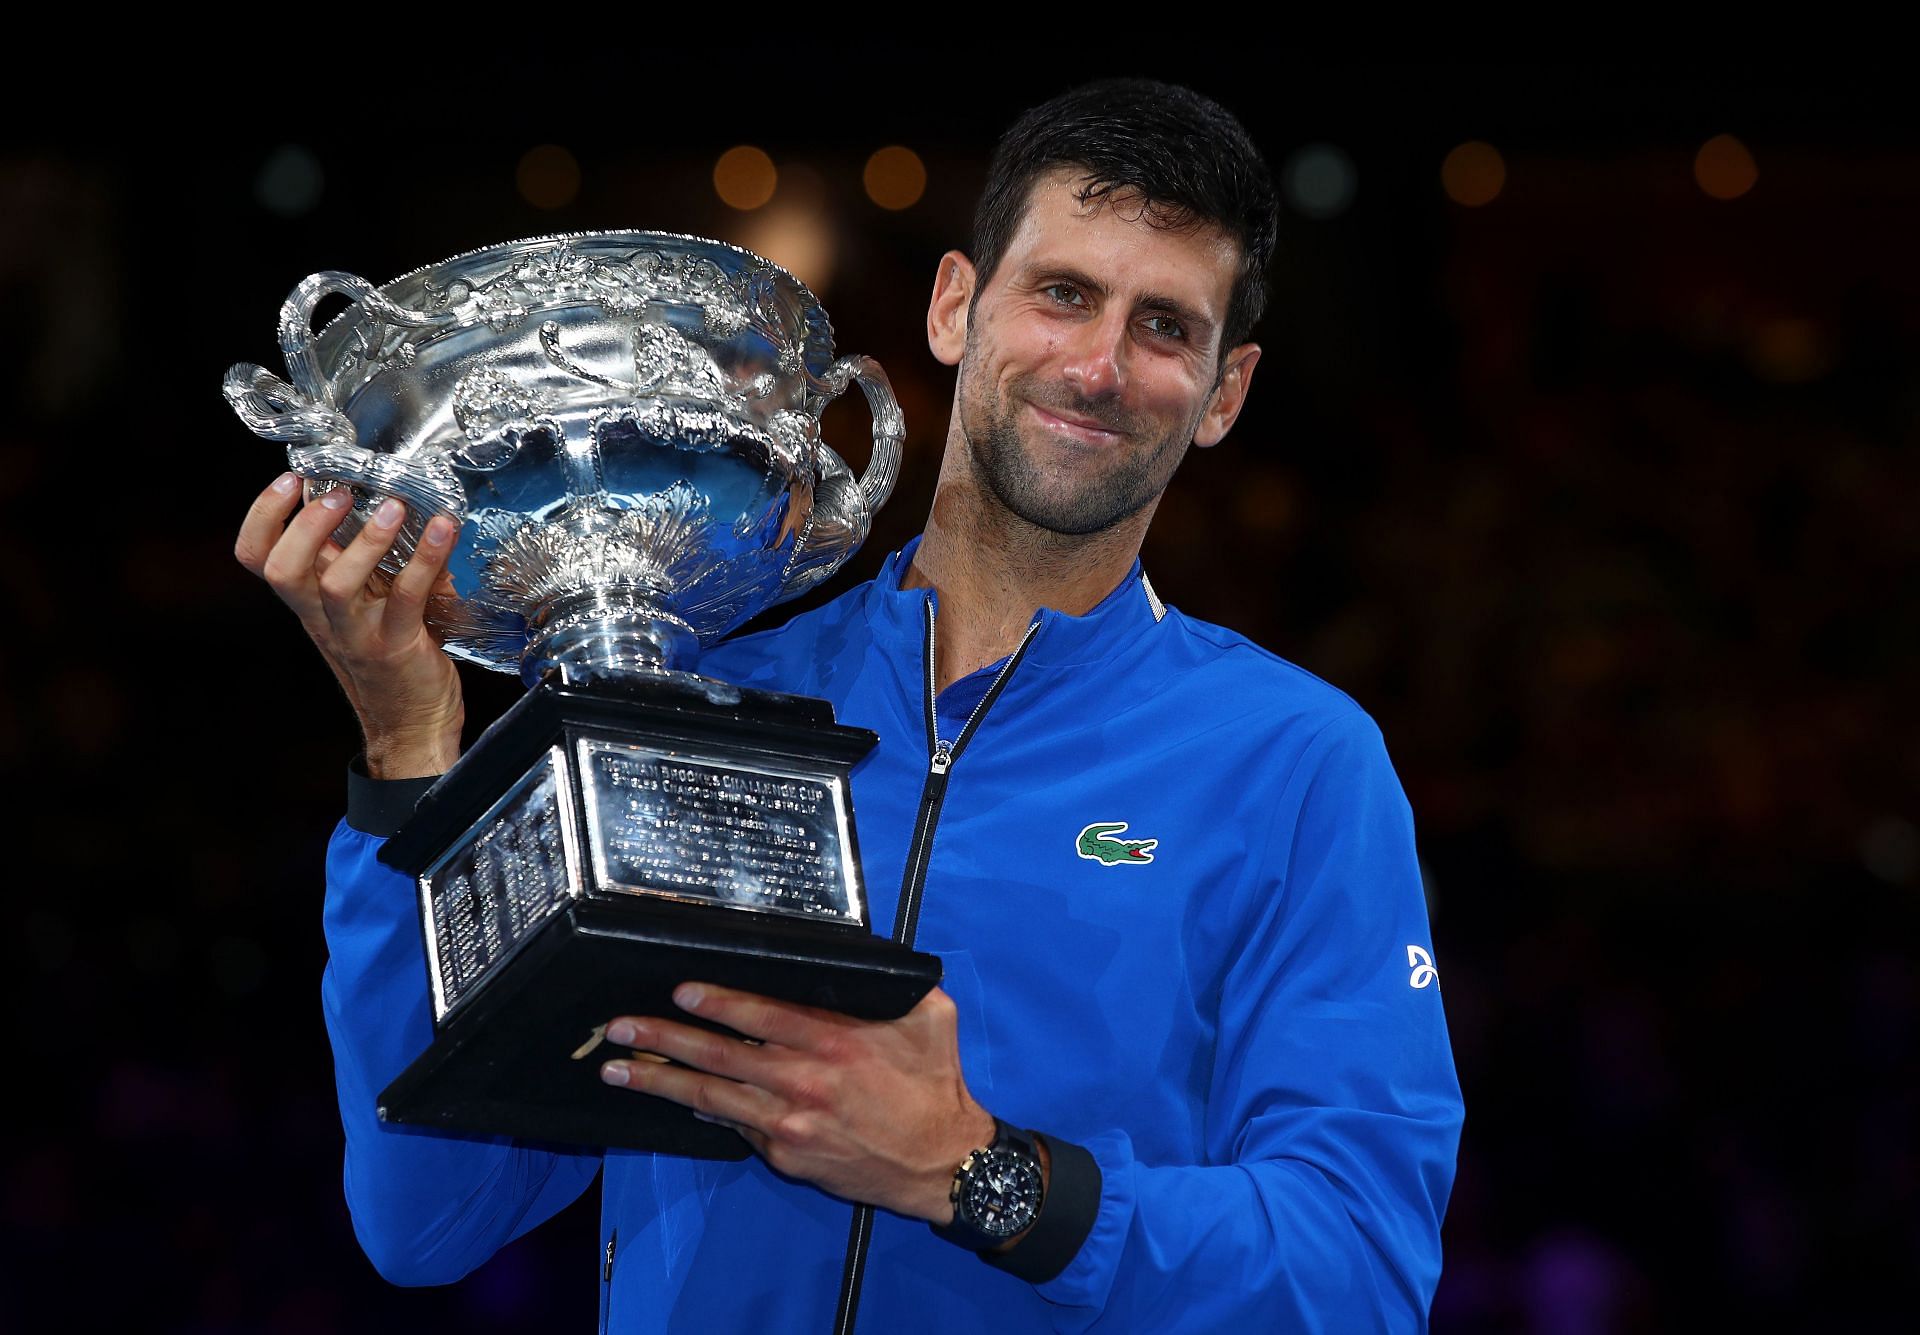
<point x="603" y="843"/>
<point x="521" y="1058"/>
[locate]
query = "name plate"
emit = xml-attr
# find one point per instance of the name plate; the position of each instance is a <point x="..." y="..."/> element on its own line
<point x="721" y="831"/>
<point x="490" y="891"/>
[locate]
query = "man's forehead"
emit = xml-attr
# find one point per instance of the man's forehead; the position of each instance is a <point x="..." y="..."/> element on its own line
<point x="1140" y="245"/>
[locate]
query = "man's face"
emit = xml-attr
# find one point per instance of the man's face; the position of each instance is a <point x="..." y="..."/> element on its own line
<point x="1092" y="358"/>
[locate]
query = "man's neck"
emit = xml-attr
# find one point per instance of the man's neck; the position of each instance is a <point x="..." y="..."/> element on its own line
<point x="994" y="572"/>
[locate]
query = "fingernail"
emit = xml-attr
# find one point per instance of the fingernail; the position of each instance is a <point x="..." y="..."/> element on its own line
<point x="688" y="996"/>
<point x="614" y="1073"/>
<point x="337" y="499"/>
<point x="438" y="532"/>
<point x="285" y="483"/>
<point x="621" y="1033"/>
<point x="388" y="514"/>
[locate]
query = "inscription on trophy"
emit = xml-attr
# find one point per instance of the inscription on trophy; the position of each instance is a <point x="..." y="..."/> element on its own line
<point x="494" y="888"/>
<point x="718" y="832"/>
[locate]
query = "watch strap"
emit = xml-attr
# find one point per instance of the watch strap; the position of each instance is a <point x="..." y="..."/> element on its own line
<point x="1066" y="1218"/>
<point x="1068" y="1209"/>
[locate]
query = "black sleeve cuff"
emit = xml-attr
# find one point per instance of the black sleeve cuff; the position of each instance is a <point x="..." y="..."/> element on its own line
<point x="1066" y="1216"/>
<point x="380" y="806"/>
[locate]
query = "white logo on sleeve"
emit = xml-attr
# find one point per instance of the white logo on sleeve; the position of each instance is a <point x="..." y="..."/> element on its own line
<point x="1422" y="965"/>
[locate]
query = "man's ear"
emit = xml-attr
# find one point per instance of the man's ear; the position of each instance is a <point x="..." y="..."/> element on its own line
<point x="947" y="312"/>
<point x="1229" y="396"/>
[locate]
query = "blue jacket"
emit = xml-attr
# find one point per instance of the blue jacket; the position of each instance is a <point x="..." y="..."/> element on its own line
<point x="1242" y="1027"/>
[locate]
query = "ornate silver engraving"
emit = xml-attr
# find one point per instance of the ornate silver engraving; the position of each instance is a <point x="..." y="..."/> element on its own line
<point x="487" y="399"/>
<point x="667" y="362"/>
<point x="662" y="545"/>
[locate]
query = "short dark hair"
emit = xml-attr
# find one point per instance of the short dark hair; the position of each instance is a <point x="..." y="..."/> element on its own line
<point x="1184" y="154"/>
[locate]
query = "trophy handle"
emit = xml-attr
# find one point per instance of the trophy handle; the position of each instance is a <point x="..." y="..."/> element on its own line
<point x="296" y="324"/>
<point x="272" y="408"/>
<point x="889" y="427"/>
<point x="322" y="445"/>
<point x="843" y="507"/>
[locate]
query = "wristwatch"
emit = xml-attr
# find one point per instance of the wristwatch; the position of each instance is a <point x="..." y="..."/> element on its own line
<point x="997" y="1191"/>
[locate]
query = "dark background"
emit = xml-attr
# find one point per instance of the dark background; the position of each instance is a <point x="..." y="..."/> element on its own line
<point x="1599" y="497"/>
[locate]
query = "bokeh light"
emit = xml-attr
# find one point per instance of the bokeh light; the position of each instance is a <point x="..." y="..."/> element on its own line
<point x="895" y="178"/>
<point x="1724" y="168"/>
<point x="1473" y="174"/>
<point x="1319" y="181"/>
<point x="1890" y="848"/>
<point x="796" y="230"/>
<point x="289" y="181"/>
<point x="1788" y="350"/>
<point x="548" y="177"/>
<point x="744" y="178"/>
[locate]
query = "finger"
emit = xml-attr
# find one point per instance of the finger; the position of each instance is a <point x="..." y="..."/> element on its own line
<point x="758" y="1140"/>
<point x="935" y="1008"/>
<point x="719" y="1054"/>
<point x="407" y="599"/>
<point x="328" y="555"/>
<point x="290" y="566"/>
<point x="344" y="582"/>
<point x="783" y="1022"/>
<point x="266" y="520"/>
<point x="714" y="1096"/>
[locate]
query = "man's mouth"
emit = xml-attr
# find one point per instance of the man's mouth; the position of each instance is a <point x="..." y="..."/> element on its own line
<point x="1081" y="429"/>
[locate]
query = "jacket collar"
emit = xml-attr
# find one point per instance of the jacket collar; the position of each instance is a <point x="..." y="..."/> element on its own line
<point x="1130" y="611"/>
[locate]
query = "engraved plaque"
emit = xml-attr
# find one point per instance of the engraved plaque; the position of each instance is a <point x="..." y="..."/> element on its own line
<point x="493" y="888"/>
<point x="719" y="831"/>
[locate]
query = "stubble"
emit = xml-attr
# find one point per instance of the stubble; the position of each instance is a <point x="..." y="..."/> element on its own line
<point x="1086" y="501"/>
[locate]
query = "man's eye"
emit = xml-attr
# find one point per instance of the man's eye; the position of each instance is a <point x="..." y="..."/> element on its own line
<point x="1165" y="326"/>
<point x="1065" y="293"/>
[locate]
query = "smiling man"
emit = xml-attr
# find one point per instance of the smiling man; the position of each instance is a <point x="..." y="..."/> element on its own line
<point x="1180" y="1074"/>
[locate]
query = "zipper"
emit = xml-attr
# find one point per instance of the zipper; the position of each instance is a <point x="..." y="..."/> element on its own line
<point x="941" y="756"/>
<point x="606" y="1282"/>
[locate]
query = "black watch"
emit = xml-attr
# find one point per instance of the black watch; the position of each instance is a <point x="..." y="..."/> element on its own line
<point x="997" y="1191"/>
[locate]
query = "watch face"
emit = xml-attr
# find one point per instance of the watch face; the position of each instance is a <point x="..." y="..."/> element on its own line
<point x="1002" y="1193"/>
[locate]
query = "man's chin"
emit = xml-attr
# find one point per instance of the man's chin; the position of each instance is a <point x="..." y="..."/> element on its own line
<point x="1066" y="513"/>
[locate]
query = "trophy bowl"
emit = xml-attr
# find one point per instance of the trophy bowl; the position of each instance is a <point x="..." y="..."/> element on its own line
<point x="626" y="425"/>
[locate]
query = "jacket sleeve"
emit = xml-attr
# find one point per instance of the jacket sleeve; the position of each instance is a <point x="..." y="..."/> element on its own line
<point x="1333" y="1113"/>
<point x="427" y="1208"/>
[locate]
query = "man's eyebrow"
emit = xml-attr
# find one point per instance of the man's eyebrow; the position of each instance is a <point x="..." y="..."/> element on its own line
<point x="1197" y="323"/>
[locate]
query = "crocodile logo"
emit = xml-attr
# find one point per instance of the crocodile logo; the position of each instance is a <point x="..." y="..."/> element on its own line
<point x="1097" y="844"/>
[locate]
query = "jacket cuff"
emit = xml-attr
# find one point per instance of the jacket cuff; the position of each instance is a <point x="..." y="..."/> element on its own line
<point x="1066" y="1216"/>
<point x="379" y="807"/>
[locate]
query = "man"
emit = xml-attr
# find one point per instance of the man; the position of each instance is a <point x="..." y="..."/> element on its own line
<point x="1172" y="877"/>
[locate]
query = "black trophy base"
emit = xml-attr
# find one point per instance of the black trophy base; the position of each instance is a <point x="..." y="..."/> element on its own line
<point x="521" y="1057"/>
<point x="518" y="1049"/>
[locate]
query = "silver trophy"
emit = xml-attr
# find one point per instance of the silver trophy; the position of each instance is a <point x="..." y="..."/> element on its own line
<point x="627" y="427"/>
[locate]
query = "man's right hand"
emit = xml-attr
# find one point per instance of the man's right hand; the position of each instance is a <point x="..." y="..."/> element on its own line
<point x="401" y="684"/>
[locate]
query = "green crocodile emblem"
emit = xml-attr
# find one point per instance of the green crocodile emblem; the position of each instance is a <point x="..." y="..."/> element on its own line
<point x="1097" y="844"/>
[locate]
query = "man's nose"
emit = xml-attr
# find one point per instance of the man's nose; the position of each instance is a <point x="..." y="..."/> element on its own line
<point x="1096" y="364"/>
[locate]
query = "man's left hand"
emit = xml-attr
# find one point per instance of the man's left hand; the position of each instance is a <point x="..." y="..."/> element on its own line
<point x="871" y="1111"/>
